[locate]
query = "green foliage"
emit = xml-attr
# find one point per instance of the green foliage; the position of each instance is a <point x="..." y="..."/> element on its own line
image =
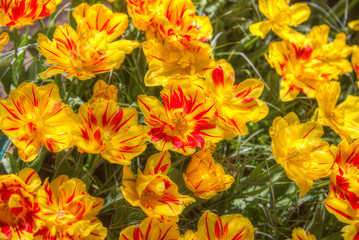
<point x="262" y="192"/>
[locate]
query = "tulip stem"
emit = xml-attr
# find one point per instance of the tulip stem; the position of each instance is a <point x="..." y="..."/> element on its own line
<point x="14" y="65"/>
<point x="70" y="90"/>
<point x="96" y="163"/>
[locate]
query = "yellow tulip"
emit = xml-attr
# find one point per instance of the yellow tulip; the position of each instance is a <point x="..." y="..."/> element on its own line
<point x="98" y="18"/>
<point x="18" y="207"/>
<point x="33" y="116"/>
<point x="235" y="226"/>
<point x="103" y="91"/>
<point x="343" y="197"/>
<point x="4" y="39"/>
<point x="351" y="232"/>
<point x="68" y="211"/>
<point x="89" y="50"/>
<point x="236" y="104"/>
<point x="183" y="122"/>
<point x="343" y="118"/>
<point x="354" y="25"/>
<point x="355" y="60"/>
<point x="305" y="61"/>
<point x="105" y="128"/>
<point x="204" y="177"/>
<point x="153" y="190"/>
<point x="299" y="149"/>
<point x="301" y="234"/>
<point x="171" y="60"/>
<point x="280" y="16"/>
<point x="151" y="229"/>
<point x="19" y="13"/>
<point x="143" y="13"/>
<point x="177" y="22"/>
<point x="188" y="235"/>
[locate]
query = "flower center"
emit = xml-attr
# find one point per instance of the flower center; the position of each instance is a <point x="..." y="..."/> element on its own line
<point x="64" y="217"/>
<point x="180" y="123"/>
<point x="299" y="158"/>
<point x="5" y="213"/>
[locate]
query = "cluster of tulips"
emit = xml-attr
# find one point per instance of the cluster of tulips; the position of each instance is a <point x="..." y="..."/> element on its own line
<point x="311" y="65"/>
<point x="201" y="105"/>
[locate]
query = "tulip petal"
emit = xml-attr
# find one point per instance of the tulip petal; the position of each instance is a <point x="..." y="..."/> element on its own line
<point x="260" y="29"/>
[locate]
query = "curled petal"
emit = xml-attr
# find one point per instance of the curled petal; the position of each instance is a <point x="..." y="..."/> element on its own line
<point x="301" y="234"/>
<point x="4" y="39"/>
<point x="151" y="228"/>
<point x="158" y="163"/>
<point x="354" y="25"/>
<point x="300" y="13"/>
<point x="224" y="227"/>
<point x="260" y="29"/>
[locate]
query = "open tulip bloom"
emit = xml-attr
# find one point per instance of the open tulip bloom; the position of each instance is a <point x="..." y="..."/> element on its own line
<point x="153" y="190"/>
<point x="34" y="116"/>
<point x="89" y="50"/>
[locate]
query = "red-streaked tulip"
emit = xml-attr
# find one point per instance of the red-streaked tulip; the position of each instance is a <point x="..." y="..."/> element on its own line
<point x="204" y="177"/>
<point x="153" y="190"/>
<point x="151" y="229"/>
<point x="19" y="210"/>
<point x="19" y="13"/>
<point x="231" y="226"/>
<point x="183" y="122"/>
<point x="68" y="211"/>
<point x="305" y="62"/>
<point x="112" y="131"/>
<point x="299" y="149"/>
<point x="236" y="104"/>
<point x="104" y="91"/>
<point x="301" y="234"/>
<point x="33" y="116"/>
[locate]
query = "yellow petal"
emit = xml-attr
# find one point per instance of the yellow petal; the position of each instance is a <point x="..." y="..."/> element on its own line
<point x="300" y="13"/>
<point x="158" y="163"/>
<point x="4" y="39"/>
<point x="129" y="186"/>
<point x="301" y="234"/>
<point x="260" y="29"/>
<point x="354" y="25"/>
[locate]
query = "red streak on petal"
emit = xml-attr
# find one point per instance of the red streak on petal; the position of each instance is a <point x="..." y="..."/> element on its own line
<point x="97" y="135"/>
<point x="339" y="212"/>
<point x="147" y="107"/>
<point x="159" y="59"/>
<point x="158" y="166"/>
<point x="10" y="111"/>
<point x="11" y="129"/>
<point x="28" y="178"/>
<point x="298" y="237"/>
<point x="163" y="237"/>
<point x="309" y="132"/>
<point x="72" y="196"/>
<point x="208" y="236"/>
<point x="218" y="77"/>
<point x="148" y="229"/>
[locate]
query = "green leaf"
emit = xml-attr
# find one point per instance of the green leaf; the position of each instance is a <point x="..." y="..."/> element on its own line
<point x="4" y="144"/>
<point x="62" y="165"/>
<point x="113" y="197"/>
<point x="37" y="163"/>
<point x="10" y="163"/>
